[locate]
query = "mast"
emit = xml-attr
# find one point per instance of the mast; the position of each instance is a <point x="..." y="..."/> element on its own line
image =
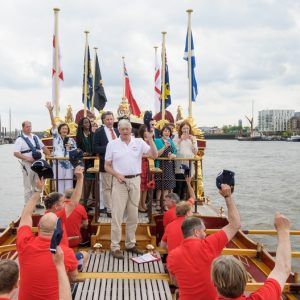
<point x="9" y="122"/>
<point x="57" y="69"/>
<point x="85" y="73"/>
<point x="163" y="75"/>
<point x="189" y="12"/>
<point x="93" y="97"/>
<point x="156" y="97"/>
<point x="124" y="83"/>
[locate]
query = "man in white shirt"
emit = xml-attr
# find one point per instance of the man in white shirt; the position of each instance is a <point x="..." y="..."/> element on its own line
<point x="24" y="152"/>
<point x="123" y="160"/>
<point x="102" y="137"/>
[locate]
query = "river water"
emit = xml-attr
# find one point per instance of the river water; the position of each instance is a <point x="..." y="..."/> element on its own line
<point x="267" y="180"/>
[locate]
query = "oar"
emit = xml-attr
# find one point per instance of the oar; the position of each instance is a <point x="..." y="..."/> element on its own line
<point x="256" y="231"/>
<point x="250" y="252"/>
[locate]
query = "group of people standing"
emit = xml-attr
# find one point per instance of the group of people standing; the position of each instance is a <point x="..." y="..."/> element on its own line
<point x="193" y="262"/>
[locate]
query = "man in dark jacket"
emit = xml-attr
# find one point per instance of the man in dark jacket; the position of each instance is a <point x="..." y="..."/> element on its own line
<point x="102" y="136"/>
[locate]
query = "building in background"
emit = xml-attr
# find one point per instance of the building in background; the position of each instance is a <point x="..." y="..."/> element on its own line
<point x="294" y="123"/>
<point x="274" y="120"/>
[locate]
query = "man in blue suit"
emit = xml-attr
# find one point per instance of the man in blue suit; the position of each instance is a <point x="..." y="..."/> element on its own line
<point x="102" y="136"/>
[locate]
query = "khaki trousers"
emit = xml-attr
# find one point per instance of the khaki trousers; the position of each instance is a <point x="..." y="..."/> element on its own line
<point x="105" y="190"/>
<point x="125" y="198"/>
<point x="29" y="178"/>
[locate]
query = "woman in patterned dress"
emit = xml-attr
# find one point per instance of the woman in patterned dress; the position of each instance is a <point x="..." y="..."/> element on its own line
<point x="62" y="145"/>
<point x="166" y="148"/>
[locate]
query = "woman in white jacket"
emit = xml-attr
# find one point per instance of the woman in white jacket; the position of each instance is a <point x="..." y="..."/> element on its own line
<point x="62" y="145"/>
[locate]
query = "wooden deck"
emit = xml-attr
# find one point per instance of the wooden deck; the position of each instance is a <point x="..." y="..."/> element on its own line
<point x="123" y="289"/>
<point x="106" y="277"/>
<point x="104" y="262"/>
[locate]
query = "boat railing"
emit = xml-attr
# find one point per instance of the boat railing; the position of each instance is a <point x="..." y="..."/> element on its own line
<point x="153" y="171"/>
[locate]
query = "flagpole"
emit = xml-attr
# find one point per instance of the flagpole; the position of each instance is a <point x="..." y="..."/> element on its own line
<point x="123" y="58"/>
<point x="92" y="109"/>
<point x="155" y="60"/>
<point x="163" y="75"/>
<point x="85" y="72"/>
<point x="57" y="70"/>
<point x="189" y="11"/>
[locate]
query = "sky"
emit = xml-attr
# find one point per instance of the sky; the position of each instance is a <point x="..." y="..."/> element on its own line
<point x="246" y="50"/>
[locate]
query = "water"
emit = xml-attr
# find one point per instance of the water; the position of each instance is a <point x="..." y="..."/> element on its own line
<point x="267" y="180"/>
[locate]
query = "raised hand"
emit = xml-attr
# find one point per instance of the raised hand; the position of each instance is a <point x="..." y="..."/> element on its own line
<point x="225" y="190"/>
<point x="79" y="172"/>
<point x="40" y="182"/>
<point x="281" y="223"/>
<point x="49" y="106"/>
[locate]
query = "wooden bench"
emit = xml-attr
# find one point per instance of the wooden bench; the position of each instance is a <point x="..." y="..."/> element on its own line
<point x="123" y="289"/>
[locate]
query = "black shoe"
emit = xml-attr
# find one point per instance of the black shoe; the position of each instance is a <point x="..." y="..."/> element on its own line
<point x="108" y="215"/>
<point x="117" y="254"/>
<point x="135" y="250"/>
<point x="102" y="210"/>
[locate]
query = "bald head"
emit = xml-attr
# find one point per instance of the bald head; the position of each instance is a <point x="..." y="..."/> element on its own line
<point x="48" y="224"/>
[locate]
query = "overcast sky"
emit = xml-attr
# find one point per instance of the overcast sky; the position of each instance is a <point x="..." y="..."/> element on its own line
<point x="245" y="50"/>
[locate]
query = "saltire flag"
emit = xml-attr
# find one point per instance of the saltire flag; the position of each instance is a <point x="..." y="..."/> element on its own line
<point x="99" y="94"/>
<point x="167" y="85"/>
<point x="135" y="110"/>
<point x="193" y="66"/>
<point x="89" y="86"/>
<point x="60" y="72"/>
<point x="157" y="87"/>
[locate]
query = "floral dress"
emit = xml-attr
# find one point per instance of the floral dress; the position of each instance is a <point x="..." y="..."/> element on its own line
<point x="60" y="150"/>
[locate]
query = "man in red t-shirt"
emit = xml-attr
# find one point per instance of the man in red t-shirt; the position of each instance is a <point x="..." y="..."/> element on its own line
<point x="230" y="277"/>
<point x="67" y="207"/>
<point x="38" y="275"/>
<point x="170" y="202"/>
<point x="9" y="276"/>
<point x="189" y="264"/>
<point x="173" y="236"/>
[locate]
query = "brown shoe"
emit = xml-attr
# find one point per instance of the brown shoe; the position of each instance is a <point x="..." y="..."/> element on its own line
<point x="135" y="250"/>
<point x="117" y="254"/>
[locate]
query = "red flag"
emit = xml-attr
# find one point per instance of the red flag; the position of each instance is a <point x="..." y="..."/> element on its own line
<point x="135" y="110"/>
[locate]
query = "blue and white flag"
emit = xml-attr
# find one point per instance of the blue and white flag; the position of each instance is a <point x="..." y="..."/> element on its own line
<point x="193" y="66"/>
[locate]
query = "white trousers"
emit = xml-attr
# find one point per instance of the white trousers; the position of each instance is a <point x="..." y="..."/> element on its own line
<point x="125" y="198"/>
<point x="29" y="178"/>
<point x="65" y="178"/>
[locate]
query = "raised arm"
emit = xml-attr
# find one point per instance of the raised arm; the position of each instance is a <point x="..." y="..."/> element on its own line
<point x="233" y="215"/>
<point x="76" y="195"/>
<point x="282" y="267"/>
<point x="26" y="217"/>
<point x="63" y="280"/>
<point x="153" y="150"/>
<point x="50" y="109"/>
<point x="191" y="191"/>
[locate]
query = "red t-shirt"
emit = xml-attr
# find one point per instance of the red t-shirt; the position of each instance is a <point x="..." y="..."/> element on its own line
<point x="169" y="216"/>
<point x="73" y="223"/>
<point x="38" y="275"/>
<point x="4" y="298"/>
<point x="173" y="234"/>
<point x="191" y="264"/>
<point x="269" y="291"/>
<point x="64" y="239"/>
